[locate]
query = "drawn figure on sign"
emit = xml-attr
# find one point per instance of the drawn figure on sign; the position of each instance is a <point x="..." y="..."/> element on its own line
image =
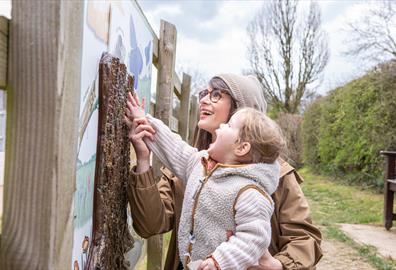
<point x="76" y="266"/>
<point x="120" y="50"/>
<point x="85" y="244"/>
<point x="135" y="56"/>
<point x="147" y="53"/>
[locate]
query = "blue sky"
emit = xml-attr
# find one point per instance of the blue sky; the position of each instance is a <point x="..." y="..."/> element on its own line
<point x="212" y="34"/>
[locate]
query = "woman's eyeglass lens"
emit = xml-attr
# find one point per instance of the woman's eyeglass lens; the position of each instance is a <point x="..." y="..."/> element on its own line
<point x="214" y="95"/>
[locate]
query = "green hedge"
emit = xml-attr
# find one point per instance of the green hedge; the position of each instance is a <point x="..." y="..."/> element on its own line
<point x="344" y="131"/>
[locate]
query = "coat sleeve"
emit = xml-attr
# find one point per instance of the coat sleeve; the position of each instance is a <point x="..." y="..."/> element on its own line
<point x="252" y="233"/>
<point x="299" y="240"/>
<point x="152" y="204"/>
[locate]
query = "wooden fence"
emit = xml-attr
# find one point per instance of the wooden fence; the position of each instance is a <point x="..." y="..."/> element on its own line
<point x="169" y="84"/>
<point x="38" y="63"/>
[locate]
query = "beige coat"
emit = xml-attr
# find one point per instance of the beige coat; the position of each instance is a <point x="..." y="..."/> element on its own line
<point x="156" y="209"/>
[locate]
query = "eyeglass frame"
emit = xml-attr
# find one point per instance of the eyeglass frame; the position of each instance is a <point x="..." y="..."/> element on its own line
<point x="206" y="91"/>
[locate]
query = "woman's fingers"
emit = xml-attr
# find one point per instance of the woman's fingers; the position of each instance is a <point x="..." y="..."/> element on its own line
<point x="139" y="121"/>
<point x="141" y="135"/>
<point x="142" y="127"/>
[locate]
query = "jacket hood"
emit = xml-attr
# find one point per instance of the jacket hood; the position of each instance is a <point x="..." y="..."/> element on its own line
<point x="264" y="174"/>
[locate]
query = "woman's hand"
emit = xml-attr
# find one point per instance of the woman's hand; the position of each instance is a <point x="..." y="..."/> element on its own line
<point x="267" y="262"/>
<point x="207" y="264"/>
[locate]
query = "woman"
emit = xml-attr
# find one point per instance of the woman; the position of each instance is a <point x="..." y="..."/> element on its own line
<point x="156" y="207"/>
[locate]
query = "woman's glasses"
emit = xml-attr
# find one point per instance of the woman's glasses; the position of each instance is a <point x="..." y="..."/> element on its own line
<point x="215" y="95"/>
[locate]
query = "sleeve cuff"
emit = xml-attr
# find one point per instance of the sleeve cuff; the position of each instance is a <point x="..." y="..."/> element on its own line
<point x="141" y="180"/>
<point x="286" y="261"/>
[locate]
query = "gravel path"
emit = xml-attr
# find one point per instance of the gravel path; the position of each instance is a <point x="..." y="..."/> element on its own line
<point x="338" y="256"/>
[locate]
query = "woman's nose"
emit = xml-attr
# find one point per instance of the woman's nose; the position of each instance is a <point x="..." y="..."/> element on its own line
<point x="205" y="99"/>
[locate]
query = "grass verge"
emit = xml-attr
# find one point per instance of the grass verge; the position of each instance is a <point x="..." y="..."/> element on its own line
<point x="332" y="203"/>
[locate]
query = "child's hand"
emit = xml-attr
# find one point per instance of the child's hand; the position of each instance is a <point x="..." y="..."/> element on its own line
<point x="207" y="264"/>
<point x="138" y="129"/>
<point x="133" y="107"/>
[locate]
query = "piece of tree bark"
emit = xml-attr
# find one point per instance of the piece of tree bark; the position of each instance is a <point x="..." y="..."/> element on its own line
<point x="111" y="237"/>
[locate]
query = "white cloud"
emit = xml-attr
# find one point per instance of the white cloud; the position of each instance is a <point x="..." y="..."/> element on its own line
<point x="340" y="68"/>
<point x="219" y="42"/>
<point x="5" y="8"/>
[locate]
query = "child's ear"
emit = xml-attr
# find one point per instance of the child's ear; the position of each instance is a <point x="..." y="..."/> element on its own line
<point x="242" y="149"/>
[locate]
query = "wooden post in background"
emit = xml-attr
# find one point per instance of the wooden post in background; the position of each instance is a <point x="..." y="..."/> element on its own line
<point x="4" y="22"/>
<point x="44" y="82"/>
<point x="193" y="118"/>
<point x="184" y="106"/>
<point x="163" y="111"/>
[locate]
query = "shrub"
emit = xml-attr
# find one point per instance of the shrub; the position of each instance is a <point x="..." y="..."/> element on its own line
<point x="344" y="132"/>
<point x="310" y="132"/>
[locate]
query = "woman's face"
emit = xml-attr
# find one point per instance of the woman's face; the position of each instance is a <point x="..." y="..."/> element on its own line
<point x="211" y="114"/>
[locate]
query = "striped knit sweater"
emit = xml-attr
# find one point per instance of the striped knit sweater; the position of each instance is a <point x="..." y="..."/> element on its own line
<point x="208" y="211"/>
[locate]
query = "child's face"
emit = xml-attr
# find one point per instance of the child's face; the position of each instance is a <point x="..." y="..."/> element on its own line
<point x="223" y="148"/>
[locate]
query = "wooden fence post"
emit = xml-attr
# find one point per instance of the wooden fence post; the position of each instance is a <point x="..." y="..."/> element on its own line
<point x="4" y="22"/>
<point x="193" y="118"/>
<point x="184" y="106"/>
<point x="163" y="111"/>
<point x="44" y="82"/>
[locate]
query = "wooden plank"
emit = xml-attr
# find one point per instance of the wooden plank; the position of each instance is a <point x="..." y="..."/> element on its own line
<point x="155" y="51"/>
<point x="163" y="111"/>
<point x="165" y="77"/>
<point x="184" y="106"/>
<point x="174" y="124"/>
<point x="193" y="116"/>
<point x="41" y="142"/>
<point x="4" y="22"/>
<point x="177" y="85"/>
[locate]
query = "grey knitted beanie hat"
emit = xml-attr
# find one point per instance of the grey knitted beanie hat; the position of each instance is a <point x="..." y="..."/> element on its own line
<point x="246" y="90"/>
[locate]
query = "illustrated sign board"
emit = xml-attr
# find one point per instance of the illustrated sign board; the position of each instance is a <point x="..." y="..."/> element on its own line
<point x="119" y="28"/>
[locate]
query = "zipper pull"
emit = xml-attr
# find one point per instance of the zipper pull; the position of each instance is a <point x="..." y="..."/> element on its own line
<point x="192" y="237"/>
<point x="202" y="181"/>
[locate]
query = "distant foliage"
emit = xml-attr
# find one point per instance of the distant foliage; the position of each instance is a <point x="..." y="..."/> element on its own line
<point x="344" y="131"/>
<point x="310" y="133"/>
<point x="291" y="128"/>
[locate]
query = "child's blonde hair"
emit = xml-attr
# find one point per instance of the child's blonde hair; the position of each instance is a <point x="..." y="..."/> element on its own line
<point x="263" y="134"/>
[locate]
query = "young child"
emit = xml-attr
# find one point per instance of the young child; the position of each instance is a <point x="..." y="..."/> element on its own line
<point x="227" y="207"/>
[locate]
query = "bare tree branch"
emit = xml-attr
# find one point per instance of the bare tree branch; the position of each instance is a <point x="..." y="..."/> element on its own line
<point x="287" y="52"/>
<point x="373" y="36"/>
